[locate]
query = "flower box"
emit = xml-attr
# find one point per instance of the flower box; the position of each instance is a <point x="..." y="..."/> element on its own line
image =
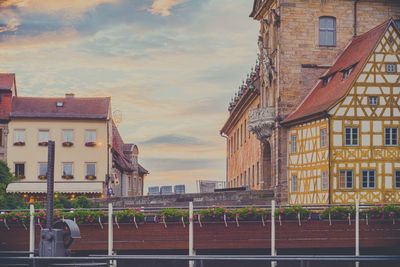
<point x="67" y="144"/>
<point x="43" y="144"/>
<point x="67" y="177"/>
<point x="20" y="143"/>
<point x="90" y="177"/>
<point x="42" y="177"/>
<point x="21" y="176"/>
<point x="90" y="144"/>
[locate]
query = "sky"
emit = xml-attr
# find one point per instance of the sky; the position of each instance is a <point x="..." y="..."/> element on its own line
<point x="170" y="66"/>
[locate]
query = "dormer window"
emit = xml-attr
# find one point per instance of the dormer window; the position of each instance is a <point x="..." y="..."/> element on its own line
<point x="60" y="104"/>
<point x="347" y="72"/>
<point x="326" y="79"/>
<point x="397" y="22"/>
<point x="391" y="68"/>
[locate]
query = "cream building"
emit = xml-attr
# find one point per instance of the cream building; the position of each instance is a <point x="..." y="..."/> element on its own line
<point x="85" y="161"/>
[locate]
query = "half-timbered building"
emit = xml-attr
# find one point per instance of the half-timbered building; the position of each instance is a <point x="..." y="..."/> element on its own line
<point x="343" y="139"/>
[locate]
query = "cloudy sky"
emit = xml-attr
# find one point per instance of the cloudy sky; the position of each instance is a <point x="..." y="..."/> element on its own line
<point x="170" y="66"/>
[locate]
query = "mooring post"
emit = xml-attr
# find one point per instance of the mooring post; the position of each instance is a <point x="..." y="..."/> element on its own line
<point x="110" y="229"/>
<point x="191" y="237"/>
<point x="31" y="230"/>
<point x="273" y="249"/>
<point x="357" y="229"/>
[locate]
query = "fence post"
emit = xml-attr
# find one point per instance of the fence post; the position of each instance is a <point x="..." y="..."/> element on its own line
<point x="191" y="237"/>
<point x="110" y="231"/>
<point x="273" y="249"/>
<point x="357" y="229"/>
<point x="31" y="230"/>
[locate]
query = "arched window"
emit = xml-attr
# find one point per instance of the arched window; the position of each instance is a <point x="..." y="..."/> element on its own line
<point x="327" y="31"/>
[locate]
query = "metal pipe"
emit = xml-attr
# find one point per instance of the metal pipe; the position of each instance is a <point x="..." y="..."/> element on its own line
<point x="31" y="230"/>
<point x="191" y="237"/>
<point x="357" y="229"/>
<point x="110" y="229"/>
<point x="273" y="250"/>
<point x="355" y="18"/>
<point x="50" y="185"/>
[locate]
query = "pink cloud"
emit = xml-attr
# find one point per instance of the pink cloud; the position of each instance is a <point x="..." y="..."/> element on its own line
<point x="163" y="7"/>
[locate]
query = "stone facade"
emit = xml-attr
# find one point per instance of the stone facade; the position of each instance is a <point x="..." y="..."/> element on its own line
<point x="292" y="59"/>
<point x="243" y="147"/>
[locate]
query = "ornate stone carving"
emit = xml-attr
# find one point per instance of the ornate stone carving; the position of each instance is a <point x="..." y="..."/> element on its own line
<point x="262" y="122"/>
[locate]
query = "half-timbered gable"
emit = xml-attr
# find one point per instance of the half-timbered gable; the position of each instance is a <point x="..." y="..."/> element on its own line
<point x="358" y="98"/>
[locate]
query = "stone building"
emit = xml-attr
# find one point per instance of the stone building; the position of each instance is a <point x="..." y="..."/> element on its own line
<point x="298" y="42"/>
<point x="243" y="148"/>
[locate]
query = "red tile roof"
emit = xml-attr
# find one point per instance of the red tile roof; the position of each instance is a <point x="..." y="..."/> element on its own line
<point x="322" y="97"/>
<point x="73" y="108"/>
<point x="7" y="80"/>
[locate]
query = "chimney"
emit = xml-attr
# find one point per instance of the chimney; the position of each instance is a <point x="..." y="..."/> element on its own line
<point x="69" y="95"/>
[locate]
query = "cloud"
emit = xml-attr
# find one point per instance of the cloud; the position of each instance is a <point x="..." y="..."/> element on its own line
<point x="10" y="26"/>
<point x="178" y="164"/>
<point x="173" y="139"/>
<point x="163" y="7"/>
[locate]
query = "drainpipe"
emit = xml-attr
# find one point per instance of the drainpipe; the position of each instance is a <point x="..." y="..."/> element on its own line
<point x="227" y="158"/>
<point x="355" y="17"/>
<point x="329" y="162"/>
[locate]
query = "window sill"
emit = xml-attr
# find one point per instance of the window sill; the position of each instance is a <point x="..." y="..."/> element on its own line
<point x="42" y="177"/>
<point x="90" y="177"/>
<point x="67" y="177"/>
<point x="43" y="144"/>
<point x="90" y="144"/>
<point x="67" y="144"/>
<point x="19" y="144"/>
<point x="20" y="177"/>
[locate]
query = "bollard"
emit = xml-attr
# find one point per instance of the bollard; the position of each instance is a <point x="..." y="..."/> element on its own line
<point x="31" y="230"/>
<point x="110" y="231"/>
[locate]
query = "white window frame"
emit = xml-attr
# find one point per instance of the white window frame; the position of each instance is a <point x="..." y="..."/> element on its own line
<point x="72" y="168"/>
<point x="324" y="180"/>
<point x="293" y="143"/>
<point x="294" y="185"/>
<point x="39" y="169"/>
<point x="63" y="135"/>
<point x="367" y="174"/>
<point x="16" y="139"/>
<point x="42" y="140"/>
<point x="346" y="177"/>
<point x="95" y="168"/>
<point x="352" y="129"/>
<point x="88" y="135"/>
<point x="393" y="136"/>
<point x="323" y="132"/>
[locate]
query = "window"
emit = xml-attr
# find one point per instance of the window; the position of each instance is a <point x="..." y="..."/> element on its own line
<point x="241" y="134"/>
<point x="19" y="170"/>
<point x="293" y="145"/>
<point x="252" y="176"/>
<point x="19" y="136"/>
<point x="391" y="68"/>
<point x="346" y="179"/>
<point x="327" y="31"/>
<point x="391" y="136"/>
<point x="67" y="168"/>
<point x="368" y="179"/>
<point x="68" y="136"/>
<point x="325" y="182"/>
<point x="326" y="79"/>
<point x="245" y="180"/>
<point x="245" y="129"/>
<point x="397" y="22"/>
<point x="90" y="169"/>
<point x="373" y="100"/>
<point x="351" y="136"/>
<point x="90" y="136"/>
<point x="294" y="183"/>
<point x="42" y="170"/>
<point x="248" y="178"/>
<point x="397" y="178"/>
<point x="322" y="135"/>
<point x="43" y="136"/>
<point x="347" y="72"/>
<point x="241" y="179"/>
<point x="1" y="137"/>
<point x="258" y="172"/>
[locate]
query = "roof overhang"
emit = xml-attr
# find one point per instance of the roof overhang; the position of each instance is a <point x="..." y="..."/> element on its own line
<point x="59" y="187"/>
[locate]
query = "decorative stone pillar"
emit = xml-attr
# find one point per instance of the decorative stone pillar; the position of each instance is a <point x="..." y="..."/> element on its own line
<point x="262" y="122"/>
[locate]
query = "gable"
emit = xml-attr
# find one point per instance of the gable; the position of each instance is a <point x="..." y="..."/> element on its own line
<point x="375" y="81"/>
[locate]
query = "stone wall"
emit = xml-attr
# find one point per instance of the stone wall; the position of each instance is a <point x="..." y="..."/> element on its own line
<point x="260" y="197"/>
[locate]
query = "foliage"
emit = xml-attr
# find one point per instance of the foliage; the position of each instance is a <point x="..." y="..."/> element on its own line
<point x="248" y="214"/>
<point x="15" y="217"/>
<point x="127" y="216"/>
<point x="82" y="202"/>
<point x="291" y="213"/>
<point x="212" y="214"/>
<point x="173" y="214"/>
<point x="84" y="216"/>
<point x="383" y="212"/>
<point x="337" y="212"/>
<point x="8" y="201"/>
<point x="62" y="202"/>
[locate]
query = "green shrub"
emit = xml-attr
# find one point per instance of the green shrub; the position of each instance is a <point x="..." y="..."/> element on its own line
<point x="126" y="216"/>
<point x="212" y="214"/>
<point x="291" y="213"/>
<point x="247" y="214"/>
<point x="173" y="214"/>
<point x="337" y="212"/>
